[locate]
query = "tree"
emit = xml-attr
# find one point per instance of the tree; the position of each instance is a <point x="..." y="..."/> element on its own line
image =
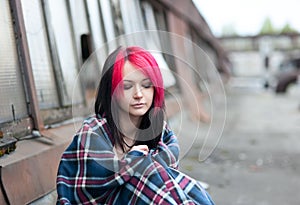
<point x="287" y="29"/>
<point x="267" y="27"/>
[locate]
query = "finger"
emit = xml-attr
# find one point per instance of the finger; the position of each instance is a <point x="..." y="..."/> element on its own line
<point x="144" y="147"/>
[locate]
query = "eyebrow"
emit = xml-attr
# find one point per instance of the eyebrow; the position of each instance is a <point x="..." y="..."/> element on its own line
<point x="131" y="81"/>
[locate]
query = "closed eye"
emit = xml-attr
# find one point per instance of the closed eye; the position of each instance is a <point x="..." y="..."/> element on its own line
<point x="147" y="85"/>
<point x="127" y="86"/>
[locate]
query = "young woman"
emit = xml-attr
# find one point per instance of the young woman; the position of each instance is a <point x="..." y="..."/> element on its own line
<point x="126" y="153"/>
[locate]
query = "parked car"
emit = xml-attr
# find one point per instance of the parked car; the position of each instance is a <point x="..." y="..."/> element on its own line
<point x="288" y="74"/>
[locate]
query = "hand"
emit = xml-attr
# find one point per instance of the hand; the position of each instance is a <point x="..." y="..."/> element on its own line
<point x="142" y="148"/>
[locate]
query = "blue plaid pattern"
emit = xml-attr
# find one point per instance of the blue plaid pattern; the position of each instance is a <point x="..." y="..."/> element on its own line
<point x="90" y="172"/>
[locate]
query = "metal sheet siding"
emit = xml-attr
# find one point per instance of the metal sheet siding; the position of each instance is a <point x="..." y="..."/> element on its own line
<point x="12" y="103"/>
<point x="40" y="54"/>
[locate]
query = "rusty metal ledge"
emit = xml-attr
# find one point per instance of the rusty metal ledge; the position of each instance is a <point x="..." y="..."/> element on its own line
<point x="30" y="171"/>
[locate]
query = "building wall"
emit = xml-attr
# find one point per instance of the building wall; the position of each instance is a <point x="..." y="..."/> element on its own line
<point x="46" y="88"/>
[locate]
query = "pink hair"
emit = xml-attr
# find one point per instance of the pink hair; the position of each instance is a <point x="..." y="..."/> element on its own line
<point x="144" y="61"/>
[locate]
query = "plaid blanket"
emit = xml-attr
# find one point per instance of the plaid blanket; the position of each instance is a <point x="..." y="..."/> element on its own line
<point x="91" y="173"/>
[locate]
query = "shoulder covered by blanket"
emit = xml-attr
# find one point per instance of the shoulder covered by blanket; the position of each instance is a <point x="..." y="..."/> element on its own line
<point x="91" y="173"/>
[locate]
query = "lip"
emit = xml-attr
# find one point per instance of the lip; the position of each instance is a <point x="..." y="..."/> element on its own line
<point x="138" y="105"/>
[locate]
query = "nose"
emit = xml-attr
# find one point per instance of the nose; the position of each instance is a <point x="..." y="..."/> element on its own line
<point x="138" y="92"/>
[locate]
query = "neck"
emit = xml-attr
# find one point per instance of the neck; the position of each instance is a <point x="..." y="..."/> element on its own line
<point x="129" y="125"/>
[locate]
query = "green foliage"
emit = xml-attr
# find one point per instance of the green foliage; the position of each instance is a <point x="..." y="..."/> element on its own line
<point x="267" y="27"/>
<point x="287" y="29"/>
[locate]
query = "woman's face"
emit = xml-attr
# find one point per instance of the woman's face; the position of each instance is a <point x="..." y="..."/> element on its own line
<point x="138" y="92"/>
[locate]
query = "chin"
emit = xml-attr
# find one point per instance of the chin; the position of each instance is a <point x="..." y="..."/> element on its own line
<point x="139" y="113"/>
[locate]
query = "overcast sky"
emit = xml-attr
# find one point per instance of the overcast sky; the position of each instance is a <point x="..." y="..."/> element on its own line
<point x="247" y="16"/>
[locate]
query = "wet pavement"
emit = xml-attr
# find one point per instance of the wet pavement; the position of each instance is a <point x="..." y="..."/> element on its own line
<point x="257" y="160"/>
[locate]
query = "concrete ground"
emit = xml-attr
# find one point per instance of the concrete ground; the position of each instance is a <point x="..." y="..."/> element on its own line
<point x="256" y="161"/>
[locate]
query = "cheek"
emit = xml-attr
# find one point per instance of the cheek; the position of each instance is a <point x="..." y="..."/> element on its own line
<point x="150" y="94"/>
<point x="127" y="95"/>
<point x="124" y="100"/>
